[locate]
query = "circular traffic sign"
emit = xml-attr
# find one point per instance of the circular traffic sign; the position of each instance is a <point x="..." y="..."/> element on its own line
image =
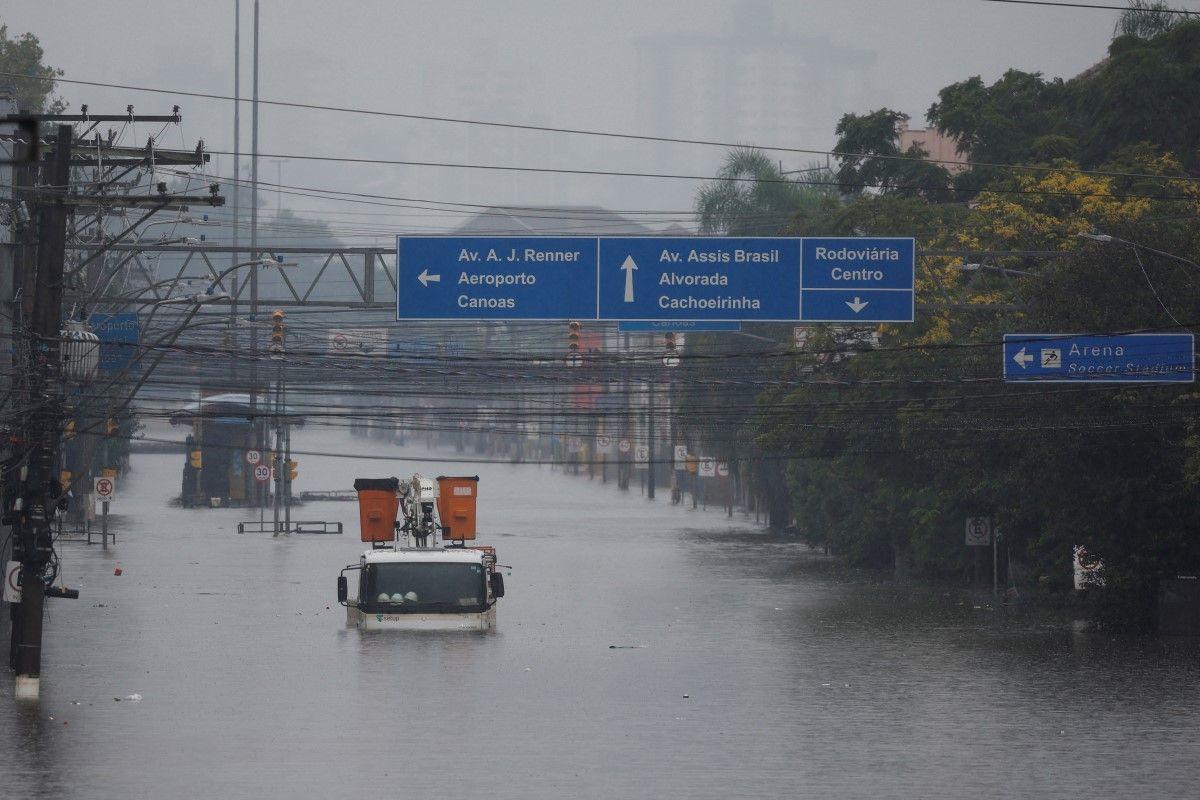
<point x="104" y="487"/>
<point x="262" y="473"/>
<point x="13" y="578"/>
<point x="623" y="446"/>
<point x="253" y="457"/>
<point x="603" y="442"/>
<point x="722" y="469"/>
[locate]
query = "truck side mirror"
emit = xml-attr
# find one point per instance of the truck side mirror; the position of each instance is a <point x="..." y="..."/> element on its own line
<point x="343" y="591"/>
<point x="497" y="582"/>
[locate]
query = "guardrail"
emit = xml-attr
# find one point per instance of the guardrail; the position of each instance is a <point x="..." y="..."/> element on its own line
<point x="297" y="526"/>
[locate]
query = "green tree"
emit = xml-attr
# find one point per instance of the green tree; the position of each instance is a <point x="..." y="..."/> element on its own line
<point x="22" y="56"/>
<point x="869" y="151"/>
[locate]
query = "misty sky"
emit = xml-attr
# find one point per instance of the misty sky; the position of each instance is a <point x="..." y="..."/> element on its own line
<point x="770" y="73"/>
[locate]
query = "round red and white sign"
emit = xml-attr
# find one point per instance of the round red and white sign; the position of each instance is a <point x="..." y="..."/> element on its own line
<point x="623" y="446"/>
<point x="104" y="488"/>
<point x="722" y="469"/>
<point x="262" y="473"/>
<point x="13" y="579"/>
<point x="253" y="457"/>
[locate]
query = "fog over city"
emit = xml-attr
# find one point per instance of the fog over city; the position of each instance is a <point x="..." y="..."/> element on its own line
<point x="776" y="74"/>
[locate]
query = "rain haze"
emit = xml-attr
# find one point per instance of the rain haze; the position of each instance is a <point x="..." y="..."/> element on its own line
<point x="752" y="72"/>
<point x="599" y="400"/>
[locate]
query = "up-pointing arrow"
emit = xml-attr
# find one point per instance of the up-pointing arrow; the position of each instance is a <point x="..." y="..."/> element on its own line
<point x="629" y="266"/>
<point x="858" y="304"/>
<point x="1023" y="358"/>
<point x="425" y="278"/>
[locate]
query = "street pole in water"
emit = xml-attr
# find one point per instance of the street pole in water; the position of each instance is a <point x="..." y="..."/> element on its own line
<point x="650" y="438"/>
<point x="995" y="536"/>
<point x="37" y="498"/>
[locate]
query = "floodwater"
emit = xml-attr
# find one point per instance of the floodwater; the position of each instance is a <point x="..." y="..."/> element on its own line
<point x="643" y="650"/>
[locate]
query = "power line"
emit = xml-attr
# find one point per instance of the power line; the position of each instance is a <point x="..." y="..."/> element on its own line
<point x="1096" y="6"/>
<point x="561" y="130"/>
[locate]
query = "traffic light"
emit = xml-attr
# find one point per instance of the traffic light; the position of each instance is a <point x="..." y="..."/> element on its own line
<point x="277" y="332"/>
<point x="291" y="470"/>
<point x="110" y="426"/>
<point x="670" y="354"/>
<point x="195" y="459"/>
<point x="574" y="359"/>
<point x="69" y="432"/>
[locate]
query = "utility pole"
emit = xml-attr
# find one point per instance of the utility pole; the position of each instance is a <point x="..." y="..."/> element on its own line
<point x="258" y="425"/>
<point x="39" y="490"/>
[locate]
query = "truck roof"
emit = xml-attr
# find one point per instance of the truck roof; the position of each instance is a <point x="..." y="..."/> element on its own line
<point x="418" y="555"/>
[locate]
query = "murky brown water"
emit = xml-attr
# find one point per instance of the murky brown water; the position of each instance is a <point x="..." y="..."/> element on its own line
<point x="736" y="674"/>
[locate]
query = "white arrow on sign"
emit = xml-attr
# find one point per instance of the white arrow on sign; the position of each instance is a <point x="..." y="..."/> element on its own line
<point x="629" y="266"/>
<point x="425" y="278"/>
<point x="858" y="304"/>
<point x="1023" y="358"/>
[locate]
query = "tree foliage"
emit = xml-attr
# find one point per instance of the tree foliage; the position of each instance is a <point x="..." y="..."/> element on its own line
<point x="22" y="55"/>
<point x="870" y="158"/>
<point x="890" y="448"/>
<point x="1145" y="19"/>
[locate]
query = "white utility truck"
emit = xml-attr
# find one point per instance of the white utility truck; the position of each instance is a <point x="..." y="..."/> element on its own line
<point x="420" y="574"/>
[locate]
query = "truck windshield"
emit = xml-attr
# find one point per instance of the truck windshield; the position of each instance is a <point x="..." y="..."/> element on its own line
<point x="424" y="586"/>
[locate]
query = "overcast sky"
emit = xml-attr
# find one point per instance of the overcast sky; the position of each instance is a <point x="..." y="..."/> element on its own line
<point x="635" y="66"/>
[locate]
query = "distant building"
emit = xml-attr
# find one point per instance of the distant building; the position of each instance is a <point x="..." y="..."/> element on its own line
<point x="940" y="147"/>
<point x="549" y="221"/>
<point x="753" y="82"/>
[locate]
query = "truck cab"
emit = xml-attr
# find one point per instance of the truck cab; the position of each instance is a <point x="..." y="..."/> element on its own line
<point x="451" y="588"/>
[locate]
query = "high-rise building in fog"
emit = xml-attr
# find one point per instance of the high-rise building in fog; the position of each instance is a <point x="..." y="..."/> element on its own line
<point x="753" y="82"/>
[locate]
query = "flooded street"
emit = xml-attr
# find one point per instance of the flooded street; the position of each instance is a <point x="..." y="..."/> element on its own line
<point x="643" y="650"/>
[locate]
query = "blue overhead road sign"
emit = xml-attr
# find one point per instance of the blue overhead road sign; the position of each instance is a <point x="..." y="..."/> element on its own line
<point x="691" y="278"/>
<point x="684" y="280"/>
<point x="495" y="277"/>
<point x="1131" y="358"/>
<point x="860" y="279"/>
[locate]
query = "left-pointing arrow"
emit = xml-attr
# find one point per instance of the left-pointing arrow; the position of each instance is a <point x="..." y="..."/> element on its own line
<point x="425" y="278"/>
<point x="1023" y="358"/>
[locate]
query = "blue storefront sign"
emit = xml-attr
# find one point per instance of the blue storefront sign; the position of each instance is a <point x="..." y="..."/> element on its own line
<point x="1128" y="358"/>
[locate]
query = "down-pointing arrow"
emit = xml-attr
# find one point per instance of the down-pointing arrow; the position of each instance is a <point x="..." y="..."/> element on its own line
<point x="1023" y="358"/>
<point x="858" y="304"/>
<point x="425" y="278"/>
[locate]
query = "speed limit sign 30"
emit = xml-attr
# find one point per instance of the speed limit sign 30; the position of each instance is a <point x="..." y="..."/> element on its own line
<point x="262" y="473"/>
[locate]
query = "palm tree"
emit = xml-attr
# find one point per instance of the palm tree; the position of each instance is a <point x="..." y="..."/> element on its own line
<point x="752" y="197"/>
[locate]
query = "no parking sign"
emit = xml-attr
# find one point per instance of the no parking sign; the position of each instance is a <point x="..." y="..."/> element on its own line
<point x="12" y="582"/>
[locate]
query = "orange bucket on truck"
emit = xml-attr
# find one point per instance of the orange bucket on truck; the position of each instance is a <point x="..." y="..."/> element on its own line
<point x="456" y="506"/>
<point x="378" y="507"/>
